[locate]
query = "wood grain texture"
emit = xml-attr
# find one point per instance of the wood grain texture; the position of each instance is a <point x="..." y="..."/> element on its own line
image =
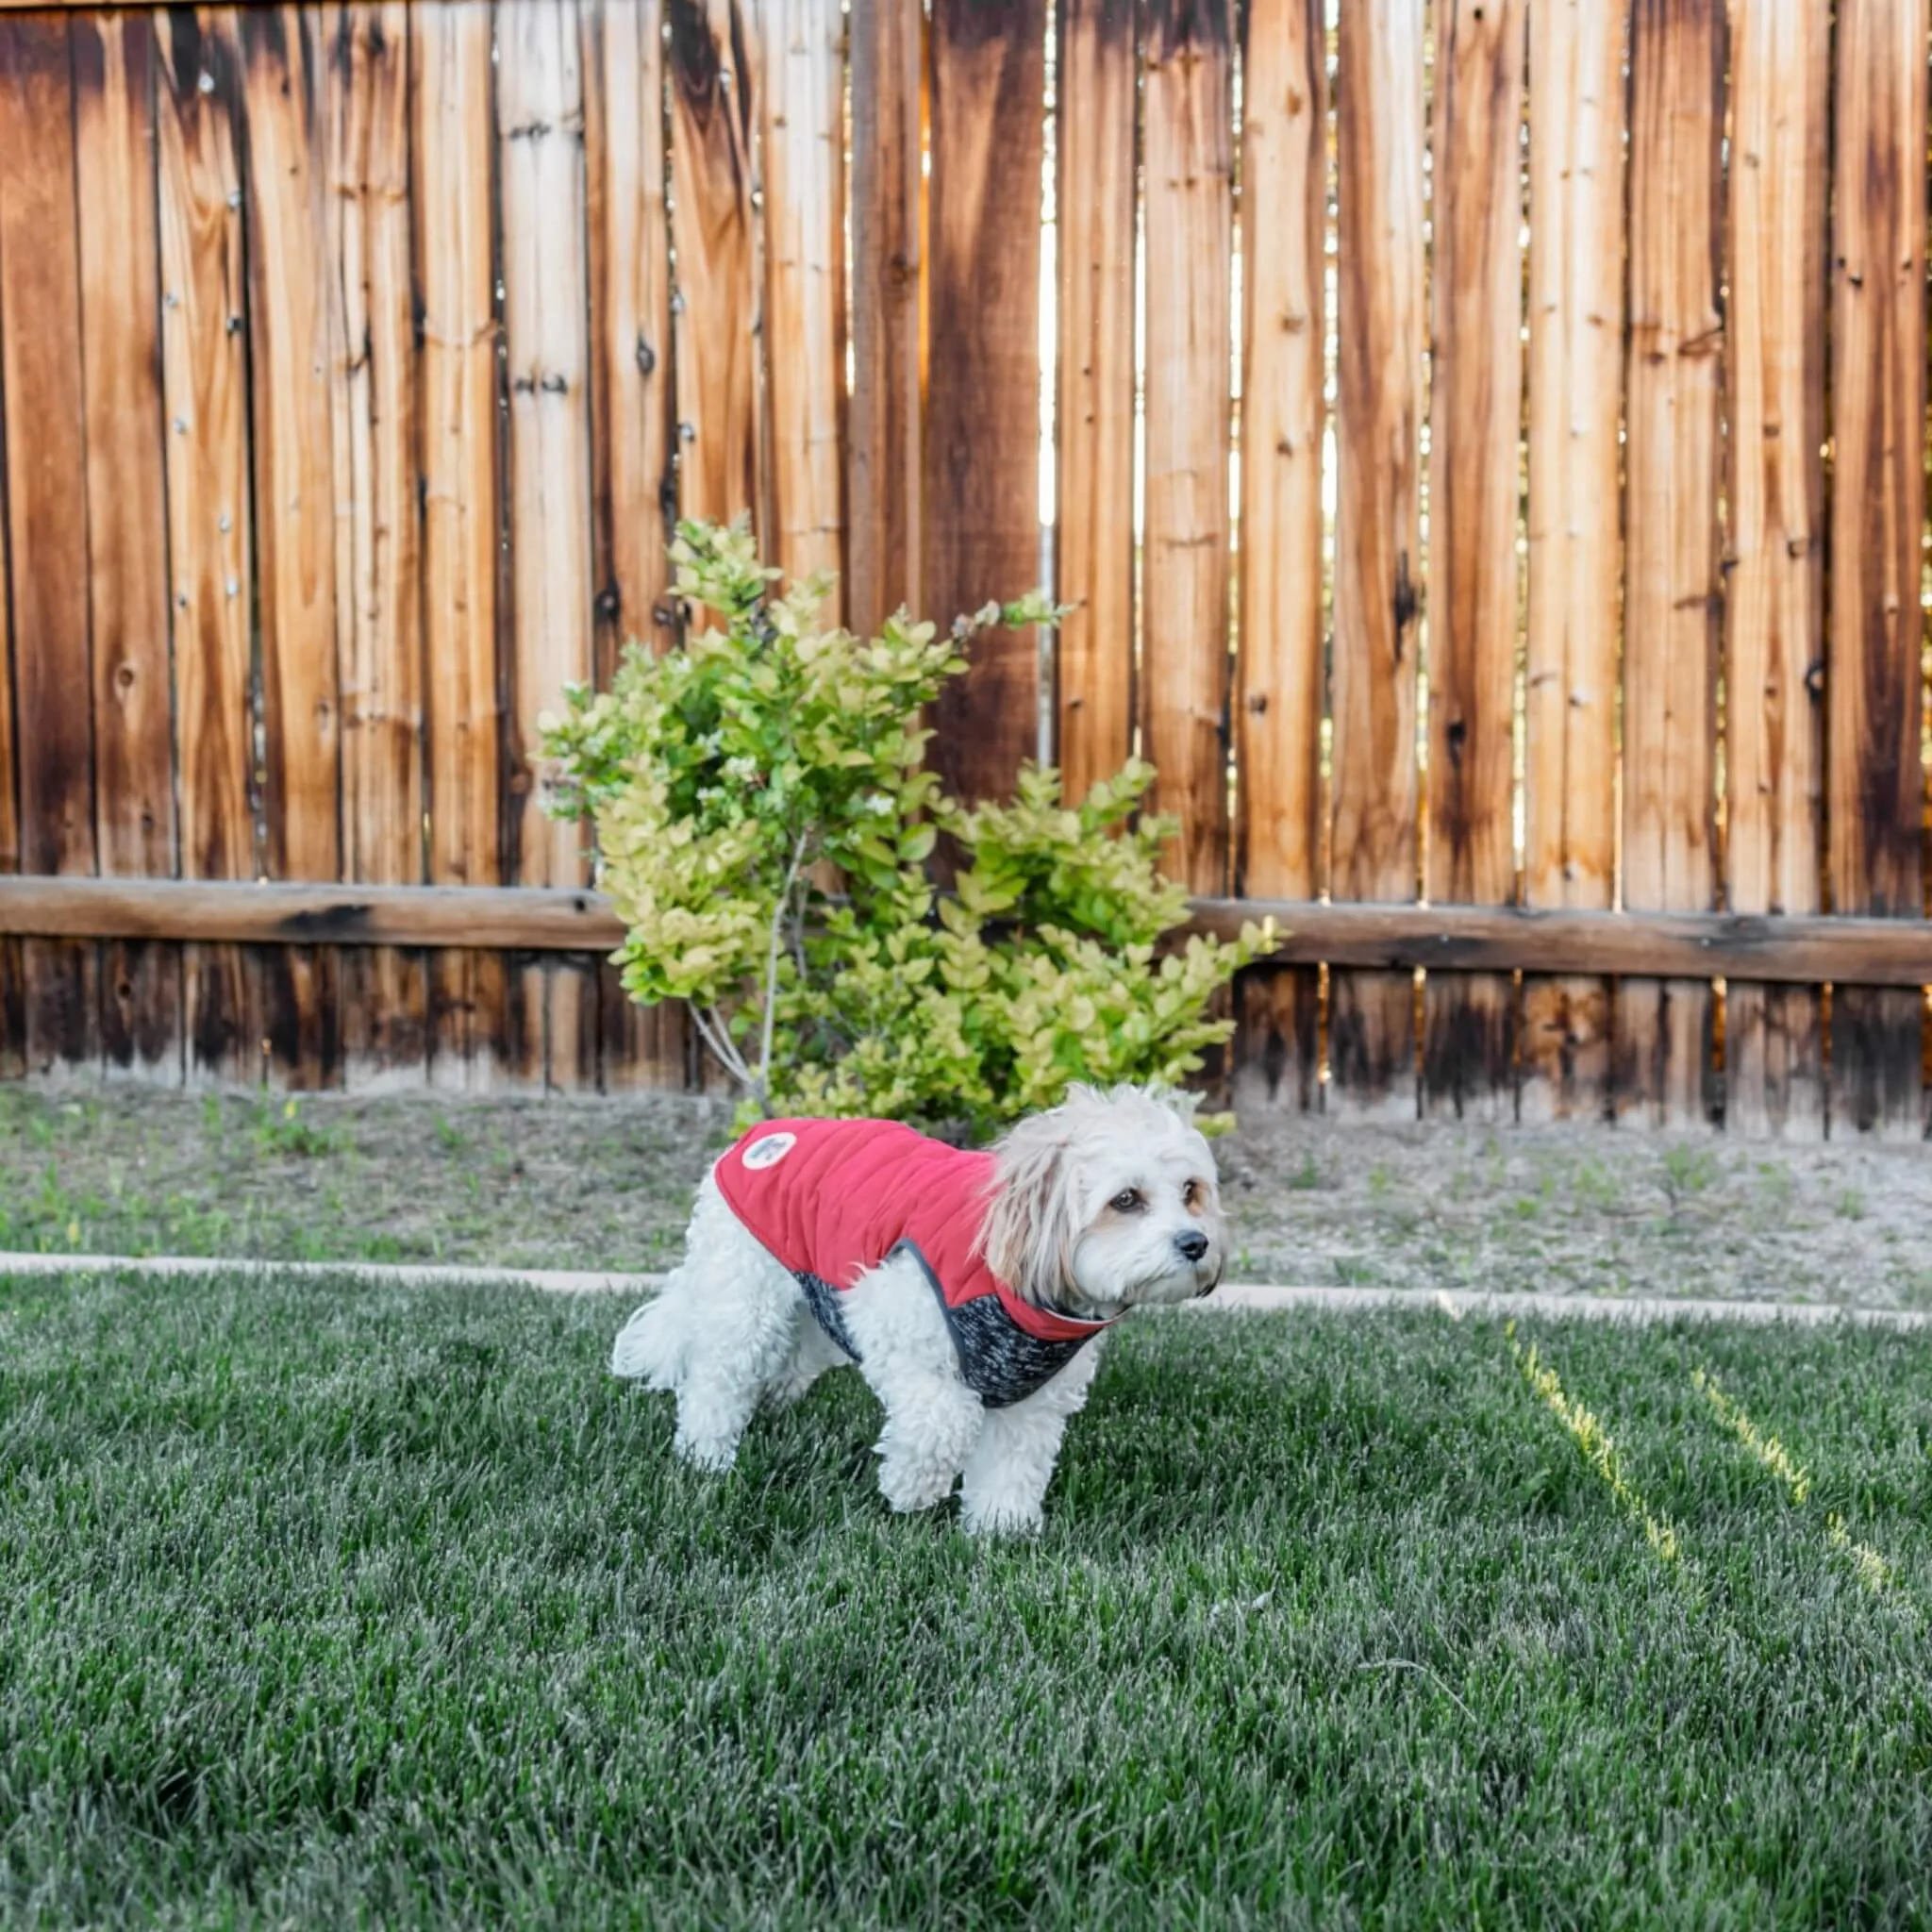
<point x="377" y="544"/>
<point x="1475" y="425"/>
<point x="294" y="368"/>
<point x="1280" y="685"/>
<point x="12" y="966"/>
<point x="203" y="379"/>
<point x="1185" y="666"/>
<point x="1575" y="501"/>
<point x="1284" y="194"/>
<point x="297" y="353"/>
<point x="541" y="134"/>
<point x="1381" y="324"/>
<point x="802" y="132"/>
<point x="711" y="122"/>
<point x="884" y="467"/>
<point x="113" y="57"/>
<point x="1673" y="595"/>
<point x="980" y="511"/>
<point x="1093" y="572"/>
<point x="1877" y="514"/>
<point x="532" y="920"/>
<point x="454" y="175"/>
<point x="1774" y="607"/>
<point x="40" y="367"/>
<point x="633" y="490"/>
<point x="633" y="454"/>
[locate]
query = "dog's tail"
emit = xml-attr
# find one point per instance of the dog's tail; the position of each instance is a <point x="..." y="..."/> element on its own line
<point x="650" y="1347"/>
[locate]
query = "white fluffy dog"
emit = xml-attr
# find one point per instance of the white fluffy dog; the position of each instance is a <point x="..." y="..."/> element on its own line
<point x="971" y="1290"/>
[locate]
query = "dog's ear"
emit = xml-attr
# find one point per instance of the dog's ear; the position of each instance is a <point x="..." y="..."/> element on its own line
<point x="1027" y="1236"/>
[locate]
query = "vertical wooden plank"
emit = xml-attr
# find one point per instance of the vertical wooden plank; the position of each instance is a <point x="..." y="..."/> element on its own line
<point x="1775" y="609"/>
<point x="12" y="968"/>
<point x="1183" y="654"/>
<point x="885" y="469"/>
<point x="46" y="516"/>
<point x="292" y="367"/>
<point x="377" y="555"/>
<point x="1877" y="514"/>
<point x="634" y="493"/>
<point x="1672" y="593"/>
<point x="1380" y="331"/>
<point x="802" y="129"/>
<point x="204" y="394"/>
<point x="980" y="511"/>
<point x="126" y="520"/>
<point x="1096" y="89"/>
<point x="540" y="134"/>
<point x="1280" y="686"/>
<point x="1577" y="92"/>
<point x="634" y="478"/>
<point x="453" y="189"/>
<point x="712" y="121"/>
<point x="1476" y="422"/>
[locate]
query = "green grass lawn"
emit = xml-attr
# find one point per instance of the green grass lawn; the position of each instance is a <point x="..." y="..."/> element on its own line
<point x="327" y="1605"/>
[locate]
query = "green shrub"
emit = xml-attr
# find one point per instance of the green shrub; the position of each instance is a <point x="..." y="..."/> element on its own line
<point x="729" y="782"/>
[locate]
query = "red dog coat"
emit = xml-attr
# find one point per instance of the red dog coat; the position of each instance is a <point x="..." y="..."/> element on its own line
<point x="830" y="1200"/>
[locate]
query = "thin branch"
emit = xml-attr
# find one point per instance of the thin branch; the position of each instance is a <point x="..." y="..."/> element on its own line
<point x="778" y="912"/>
<point x="717" y="1036"/>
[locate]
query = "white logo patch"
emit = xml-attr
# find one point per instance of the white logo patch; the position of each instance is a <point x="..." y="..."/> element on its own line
<point x="770" y="1151"/>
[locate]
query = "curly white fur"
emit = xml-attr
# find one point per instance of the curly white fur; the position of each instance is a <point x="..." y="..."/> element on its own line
<point x="1104" y="1203"/>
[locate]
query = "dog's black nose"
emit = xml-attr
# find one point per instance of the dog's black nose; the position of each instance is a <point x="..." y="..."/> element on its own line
<point x="1193" y="1244"/>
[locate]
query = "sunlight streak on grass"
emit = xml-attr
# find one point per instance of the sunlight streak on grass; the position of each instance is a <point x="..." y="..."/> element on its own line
<point x="1874" y="1572"/>
<point x="1598" y="1449"/>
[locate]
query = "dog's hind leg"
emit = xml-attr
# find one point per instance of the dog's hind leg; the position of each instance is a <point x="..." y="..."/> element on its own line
<point x="932" y="1418"/>
<point x="1013" y="1460"/>
<point x="723" y="1325"/>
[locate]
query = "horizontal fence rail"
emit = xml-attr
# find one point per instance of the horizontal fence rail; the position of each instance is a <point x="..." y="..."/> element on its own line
<point x="1404" y="938"/>
<point x="1424" y="408"/>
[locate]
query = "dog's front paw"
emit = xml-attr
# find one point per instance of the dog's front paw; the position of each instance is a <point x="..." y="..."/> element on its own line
<point x="907" y="1486"/>
<point x="1001" y="1516"/>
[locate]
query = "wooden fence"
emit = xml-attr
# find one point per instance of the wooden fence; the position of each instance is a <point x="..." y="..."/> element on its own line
<point x="1487" y="447"/>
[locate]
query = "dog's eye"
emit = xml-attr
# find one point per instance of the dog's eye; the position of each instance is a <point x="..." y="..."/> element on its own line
<point x="1191" y="1194"/>
<point x="1126" y="1201"/>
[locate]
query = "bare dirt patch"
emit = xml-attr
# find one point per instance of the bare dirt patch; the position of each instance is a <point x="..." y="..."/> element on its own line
<point x="607" y="1183"/>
